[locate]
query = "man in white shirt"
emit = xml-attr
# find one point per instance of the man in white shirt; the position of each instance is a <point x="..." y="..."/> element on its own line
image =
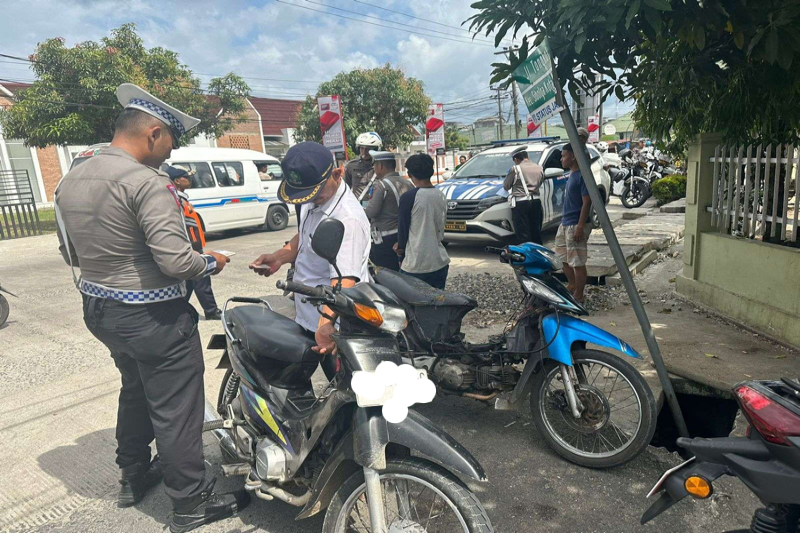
<point x="311" y="179"/>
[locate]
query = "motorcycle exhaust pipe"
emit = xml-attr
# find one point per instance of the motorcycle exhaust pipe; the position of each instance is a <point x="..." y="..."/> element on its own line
<point x="213" y="422"/>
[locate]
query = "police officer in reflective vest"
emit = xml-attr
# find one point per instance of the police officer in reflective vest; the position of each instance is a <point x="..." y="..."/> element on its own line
<point x="182" y="177"/>
<point x="120" y="222"/>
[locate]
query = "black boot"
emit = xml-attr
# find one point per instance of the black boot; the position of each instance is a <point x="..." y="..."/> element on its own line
<point x="214" y="315"/>
<point x="136" y="480"/>
<point x="206" y="508"/>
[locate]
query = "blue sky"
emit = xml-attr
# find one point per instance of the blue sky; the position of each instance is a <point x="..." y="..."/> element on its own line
<point x="282" y="48"/>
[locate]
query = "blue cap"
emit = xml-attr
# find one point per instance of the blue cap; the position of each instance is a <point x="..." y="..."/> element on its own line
<point x="306" y="167"/>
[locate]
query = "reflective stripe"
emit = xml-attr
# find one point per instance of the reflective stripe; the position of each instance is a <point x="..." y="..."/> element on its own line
<point x="173" y="292"/>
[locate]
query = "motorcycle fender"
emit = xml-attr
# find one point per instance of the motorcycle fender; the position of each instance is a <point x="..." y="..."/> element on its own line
<point x="673" y="489"/>
<point x="562" y="332"/>
<point x="415" y="433"/>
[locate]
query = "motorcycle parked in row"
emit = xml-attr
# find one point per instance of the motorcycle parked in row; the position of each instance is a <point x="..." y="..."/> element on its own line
<point x="639" y="185"/>
<point x="767" y="460"/>
<point x="335" y="451"/>
<point x="593" y="408"/>
<point x="4" y="306"/>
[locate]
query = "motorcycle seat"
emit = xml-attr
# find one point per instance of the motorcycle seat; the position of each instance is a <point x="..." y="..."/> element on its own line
<point x="416" y="292"/>
<point x="269" y="336"/>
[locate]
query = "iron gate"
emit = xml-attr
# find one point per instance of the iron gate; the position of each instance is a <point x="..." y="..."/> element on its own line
<point x="18" y="215"/>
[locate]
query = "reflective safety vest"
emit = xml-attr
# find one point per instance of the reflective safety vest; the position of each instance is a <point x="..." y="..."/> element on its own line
<point x="194" y="227"/>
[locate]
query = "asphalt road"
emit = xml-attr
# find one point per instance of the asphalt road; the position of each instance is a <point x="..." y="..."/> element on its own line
<point x="58" y="389"/>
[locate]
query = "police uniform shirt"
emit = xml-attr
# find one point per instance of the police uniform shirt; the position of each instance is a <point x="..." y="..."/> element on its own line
<point x="357" y="175"/>
<point x="383" y="206"/>
<point x="353" y="257"/>
<point x="125" y="224"/>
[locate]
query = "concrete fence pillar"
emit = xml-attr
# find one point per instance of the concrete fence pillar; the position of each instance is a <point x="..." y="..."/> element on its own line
<point x="699" y="191"/>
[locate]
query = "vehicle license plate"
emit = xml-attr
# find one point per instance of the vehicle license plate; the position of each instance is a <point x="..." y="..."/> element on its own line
<point x="455" y="225"/>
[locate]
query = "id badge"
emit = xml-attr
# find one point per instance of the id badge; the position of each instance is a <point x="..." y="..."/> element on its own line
<point x="377" y="238"/>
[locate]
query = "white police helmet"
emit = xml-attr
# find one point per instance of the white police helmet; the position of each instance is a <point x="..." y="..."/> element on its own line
<point x="602" y="146"/>
<point x="369" y="139"/>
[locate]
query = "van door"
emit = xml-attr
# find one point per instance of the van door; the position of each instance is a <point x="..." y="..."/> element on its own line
<point x="238" y="202"/>
<point x="270" y="174"/>
<point x="203" y="193"/>
<point x="553" y="189"/>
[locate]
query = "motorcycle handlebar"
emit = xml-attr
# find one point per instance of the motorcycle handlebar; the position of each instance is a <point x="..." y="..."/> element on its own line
<point x="493" y="250"/>
<point x="299" y="288"/>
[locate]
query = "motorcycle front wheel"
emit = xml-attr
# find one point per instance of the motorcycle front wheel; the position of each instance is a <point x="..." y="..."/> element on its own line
<point x="619" y="412"/>
<point x="634" y="195"/>
<point x="4" y="309"/>
<point x="418" y="496"/>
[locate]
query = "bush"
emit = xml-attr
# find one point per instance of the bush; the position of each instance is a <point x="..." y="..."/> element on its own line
<point x="670" y="188"/>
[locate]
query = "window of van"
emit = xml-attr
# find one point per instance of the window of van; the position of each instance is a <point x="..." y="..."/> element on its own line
<point x="269" y="171"/>
<point x="229" y="174"/>
<point x="202" y="178"/>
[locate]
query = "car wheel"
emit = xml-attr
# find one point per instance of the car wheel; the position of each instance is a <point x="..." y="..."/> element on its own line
<point x="277" y="218"/>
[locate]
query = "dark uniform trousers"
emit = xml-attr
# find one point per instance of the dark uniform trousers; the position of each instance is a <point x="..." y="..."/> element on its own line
<point x="383" y="254"/>
<point x="527" y="217"/>
<point x="205" y="294"/>
<point x="156" y="348"/>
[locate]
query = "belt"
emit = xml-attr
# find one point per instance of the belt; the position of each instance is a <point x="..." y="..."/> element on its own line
<point x="387" y="233"/>
<point x="173" y="292"/>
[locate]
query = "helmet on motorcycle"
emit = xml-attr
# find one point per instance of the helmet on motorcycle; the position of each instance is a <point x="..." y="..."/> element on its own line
<point x="369" y="139"/>
<point x="602" y="146"/>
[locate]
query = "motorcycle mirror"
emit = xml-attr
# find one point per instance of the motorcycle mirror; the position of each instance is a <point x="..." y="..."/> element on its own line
<point x="327" y="239"/>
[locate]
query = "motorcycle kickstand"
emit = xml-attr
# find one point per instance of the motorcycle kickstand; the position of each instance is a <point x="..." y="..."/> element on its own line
<point x="377" y="519"/>
<point x="572" y="399"/>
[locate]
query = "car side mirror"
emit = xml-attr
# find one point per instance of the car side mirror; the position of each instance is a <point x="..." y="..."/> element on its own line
<point x="553" y="173"/>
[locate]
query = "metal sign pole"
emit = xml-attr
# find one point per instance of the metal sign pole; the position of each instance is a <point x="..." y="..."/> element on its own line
<point x="619" y="258"/>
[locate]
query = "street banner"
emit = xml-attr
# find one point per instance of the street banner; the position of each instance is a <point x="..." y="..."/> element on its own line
<point x="535" y="79"/>
<point x="331" y="123"/>
<point x="534" y="130"/>
<point x="434" y="128"/>
<point x="594" y="128"/>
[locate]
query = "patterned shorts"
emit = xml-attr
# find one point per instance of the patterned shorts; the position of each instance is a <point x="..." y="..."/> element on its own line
<point x="568" y="250"/>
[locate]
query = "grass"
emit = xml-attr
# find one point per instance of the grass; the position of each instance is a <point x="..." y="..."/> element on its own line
<point x="47" y="221"/>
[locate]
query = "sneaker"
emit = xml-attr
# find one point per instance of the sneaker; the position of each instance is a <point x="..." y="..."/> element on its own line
<point x="214" y="315"/>
<point x="136" y="480"/>
<point x="211" y="507"/>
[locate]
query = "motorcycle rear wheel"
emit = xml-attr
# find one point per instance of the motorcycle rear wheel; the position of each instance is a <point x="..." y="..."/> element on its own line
<point x="348" y="511"/>
<point x="4" y="309"/>
<point x="634" y="195"/>
<point x="598" y="378"/>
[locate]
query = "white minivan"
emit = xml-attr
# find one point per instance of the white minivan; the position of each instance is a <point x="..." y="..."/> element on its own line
<point x="226" y="189"/>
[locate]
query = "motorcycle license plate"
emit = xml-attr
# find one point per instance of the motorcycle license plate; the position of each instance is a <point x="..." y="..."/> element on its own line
<point x="665" y="476"/>
<point x="455" y="225"/>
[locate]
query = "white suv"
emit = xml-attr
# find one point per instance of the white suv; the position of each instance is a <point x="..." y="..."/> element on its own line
<point x="477" y="205"/>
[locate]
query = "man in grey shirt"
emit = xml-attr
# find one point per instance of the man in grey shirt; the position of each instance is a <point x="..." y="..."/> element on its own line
<point x="120" y="221"/>
<point x="421" y="226"/>
<point x="524" y="181"/>
<point x="382" y="209"/>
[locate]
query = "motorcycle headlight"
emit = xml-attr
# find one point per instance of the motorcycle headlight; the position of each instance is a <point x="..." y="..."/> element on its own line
<point x="534" y="288"/>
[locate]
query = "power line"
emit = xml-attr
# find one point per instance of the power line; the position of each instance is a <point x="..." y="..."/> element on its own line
<point x="393" y="22"/>
<point x="382" y="25"/>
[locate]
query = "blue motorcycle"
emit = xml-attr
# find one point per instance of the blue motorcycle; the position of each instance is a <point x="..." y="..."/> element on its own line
<point x="593" y="408"/>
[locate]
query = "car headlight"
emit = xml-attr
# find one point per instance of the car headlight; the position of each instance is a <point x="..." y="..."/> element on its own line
<point x="486" y="203"/>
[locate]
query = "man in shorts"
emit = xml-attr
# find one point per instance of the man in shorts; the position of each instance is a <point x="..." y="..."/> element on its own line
<point x="573" y="233"/>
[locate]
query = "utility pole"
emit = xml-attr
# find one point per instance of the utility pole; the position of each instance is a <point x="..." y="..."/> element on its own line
<point x="499" y="112"/>
<point x="514" y="92"/>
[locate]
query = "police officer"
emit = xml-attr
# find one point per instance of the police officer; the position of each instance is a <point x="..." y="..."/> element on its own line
<point x="120" y="222"/>
<point x="182" y="178"/>
<point x="523" y="183"/>
<point x="358" y="172"/>
<point x="310" y="179"/>
<point x="383" y="208"/>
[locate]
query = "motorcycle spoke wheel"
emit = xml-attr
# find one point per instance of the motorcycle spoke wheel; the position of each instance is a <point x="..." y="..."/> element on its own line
<point x="411" y="506"/>
<point x="612" y="416"/>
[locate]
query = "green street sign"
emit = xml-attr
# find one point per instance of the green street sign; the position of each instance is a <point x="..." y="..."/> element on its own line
<point x="535" y="78"/>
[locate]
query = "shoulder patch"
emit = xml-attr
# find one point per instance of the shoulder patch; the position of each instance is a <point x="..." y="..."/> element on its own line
<point x="171" y="188"/>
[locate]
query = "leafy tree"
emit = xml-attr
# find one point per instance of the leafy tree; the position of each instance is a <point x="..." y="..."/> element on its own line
<point x="382" y="100"/>
<point x="691" y="67"/>
<point x="454" y="139"/>
<point x="74" y="98"/>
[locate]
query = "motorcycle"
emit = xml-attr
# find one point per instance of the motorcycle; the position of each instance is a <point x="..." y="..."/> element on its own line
<point x="4" y="306"/>
<point x="593" y="408"/>
<point x="767" y="460"/>
<point x="638" y="186"/>
<point x="347" y="450"/>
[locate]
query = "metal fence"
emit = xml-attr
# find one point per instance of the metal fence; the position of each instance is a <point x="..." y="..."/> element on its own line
<point x="755" y="192"/>
<point x="18" y="215"/>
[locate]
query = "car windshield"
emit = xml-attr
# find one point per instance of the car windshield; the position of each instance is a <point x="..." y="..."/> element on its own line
<point x="490" y="165"/>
